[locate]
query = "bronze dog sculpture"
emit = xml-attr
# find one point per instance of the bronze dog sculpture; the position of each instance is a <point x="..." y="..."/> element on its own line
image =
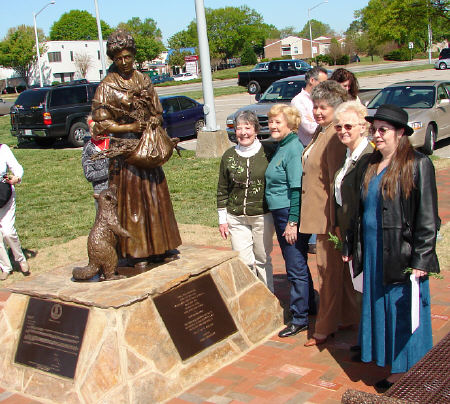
<point x="102" y="239"/>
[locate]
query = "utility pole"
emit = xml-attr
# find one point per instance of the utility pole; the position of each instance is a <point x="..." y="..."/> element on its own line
<point x="205" y="65"/>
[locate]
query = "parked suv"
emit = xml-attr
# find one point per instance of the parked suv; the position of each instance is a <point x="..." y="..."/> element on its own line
<point x="49" y="113"/>
<point x="444" y="59"/>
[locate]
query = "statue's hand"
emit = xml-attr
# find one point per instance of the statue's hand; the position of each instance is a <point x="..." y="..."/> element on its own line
<point x="154" y="121"/>
<point x="138" y="127"/>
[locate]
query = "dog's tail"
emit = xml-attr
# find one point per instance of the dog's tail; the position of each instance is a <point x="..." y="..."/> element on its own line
<point x="83" y="273"/>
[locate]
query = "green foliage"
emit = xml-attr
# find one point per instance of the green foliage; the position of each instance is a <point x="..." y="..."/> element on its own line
<point x="55" y="204"/>
<point x="18" y="52"/>
<point x="317" y="29"/>
<point x="228" y="29"/>
<point x="176" y="58"/>
<point x="399" y="54"/>
<point x="77" y="25"/>
<point x="147" y="37"/>
<point x="248" y="56"/>
<point x="324" y="59"/>
<point x="403" y="21"/>
<point x="434" y="275"/>
<point x="337" y="243"/>
<point x="343" y="60"/>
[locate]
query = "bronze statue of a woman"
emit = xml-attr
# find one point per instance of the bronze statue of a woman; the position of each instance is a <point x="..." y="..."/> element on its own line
<point x="144" y="206"/>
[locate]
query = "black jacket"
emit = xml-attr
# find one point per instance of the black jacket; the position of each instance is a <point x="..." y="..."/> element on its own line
<point x="410" y="227"/>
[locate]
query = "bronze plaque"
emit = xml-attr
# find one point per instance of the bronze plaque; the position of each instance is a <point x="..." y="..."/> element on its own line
<point x="51" y="337"/>
<point x="195" y="316"/>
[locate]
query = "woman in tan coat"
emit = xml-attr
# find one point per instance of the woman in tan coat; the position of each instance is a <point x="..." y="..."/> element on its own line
<point x="321" y="159"/>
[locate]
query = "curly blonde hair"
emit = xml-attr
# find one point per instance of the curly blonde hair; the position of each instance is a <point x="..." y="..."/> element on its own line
<point x="291" y="115"/>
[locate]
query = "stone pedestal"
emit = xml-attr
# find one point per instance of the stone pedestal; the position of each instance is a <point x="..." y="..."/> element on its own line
<point x="212" y="144"/>
<point x="127" y="355"/>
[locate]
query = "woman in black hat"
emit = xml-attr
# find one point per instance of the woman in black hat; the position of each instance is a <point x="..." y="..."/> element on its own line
<point x="393" y="243"/>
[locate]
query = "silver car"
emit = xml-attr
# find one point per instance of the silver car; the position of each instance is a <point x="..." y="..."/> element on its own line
<point x="442" y="64"/>
<point x="428" y="105"/>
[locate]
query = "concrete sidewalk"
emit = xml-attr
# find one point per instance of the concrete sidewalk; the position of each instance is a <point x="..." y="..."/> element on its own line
<point x="282" y="370"/>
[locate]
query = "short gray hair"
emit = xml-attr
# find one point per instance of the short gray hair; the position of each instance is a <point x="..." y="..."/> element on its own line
<point x="329" y="91"/>
<point x="314" y="73"/>
<point x="247" y="116"/>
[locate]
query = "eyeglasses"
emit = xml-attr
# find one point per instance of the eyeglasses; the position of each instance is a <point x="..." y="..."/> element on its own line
<point x="348" y="127"/>
<point x="382" y="130"/>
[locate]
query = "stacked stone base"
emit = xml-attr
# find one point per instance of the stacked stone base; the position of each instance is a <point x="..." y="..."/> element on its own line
<point x="127" y="355"/>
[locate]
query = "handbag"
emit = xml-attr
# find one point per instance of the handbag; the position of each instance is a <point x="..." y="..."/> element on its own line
<point x="155" y="147"/>
<point x="5" y="193"/>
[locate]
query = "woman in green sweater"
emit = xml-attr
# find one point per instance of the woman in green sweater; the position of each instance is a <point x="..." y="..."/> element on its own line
<point x="283" y="188"/>
<point x="241" y="204"/>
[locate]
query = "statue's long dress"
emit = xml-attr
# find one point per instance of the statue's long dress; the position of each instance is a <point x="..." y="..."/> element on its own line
<point x="144" y="205"/>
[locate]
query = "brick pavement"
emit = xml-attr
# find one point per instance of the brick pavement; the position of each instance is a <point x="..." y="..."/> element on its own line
<point x="282" y="370"/>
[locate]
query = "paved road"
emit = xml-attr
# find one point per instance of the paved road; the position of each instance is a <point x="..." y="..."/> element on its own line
<point x="226" y="105"/>
<point x="233" y="82"/>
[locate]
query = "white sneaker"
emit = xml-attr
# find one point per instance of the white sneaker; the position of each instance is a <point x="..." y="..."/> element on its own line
<point x="3" y="275"/>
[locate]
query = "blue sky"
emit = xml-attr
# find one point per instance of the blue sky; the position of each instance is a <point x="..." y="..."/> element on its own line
<point x="174" y="15"/>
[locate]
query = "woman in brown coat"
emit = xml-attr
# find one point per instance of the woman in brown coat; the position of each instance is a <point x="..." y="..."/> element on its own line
<point x="124" y="104"/>
<point x="321" y="159"/>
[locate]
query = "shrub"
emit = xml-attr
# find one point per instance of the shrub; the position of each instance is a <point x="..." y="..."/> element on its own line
<point x="400" y="54"/>
<point x="248" y="55"/>
<point x="343" y="60"/>
<point x="324" y="59"/>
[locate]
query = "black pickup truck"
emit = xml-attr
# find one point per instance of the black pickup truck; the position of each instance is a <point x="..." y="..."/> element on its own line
<point x="259" y="81"/>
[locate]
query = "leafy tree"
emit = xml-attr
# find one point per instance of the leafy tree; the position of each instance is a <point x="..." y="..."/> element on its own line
<point x="77" y="25"/>
<point x="406" y="20"/>
<point x="184" y="39"/>
<point x="228" y="29"/>
<point x="18" y="52"/>
<point x="147" y="37"/>
<point x="176" y="58"/>
<point x="248" y="56"/>
<point x="317" y="29"/>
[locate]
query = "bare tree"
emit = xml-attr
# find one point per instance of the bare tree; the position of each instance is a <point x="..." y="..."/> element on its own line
<point x="83" y="62"/>
<point x="335" y="50"/>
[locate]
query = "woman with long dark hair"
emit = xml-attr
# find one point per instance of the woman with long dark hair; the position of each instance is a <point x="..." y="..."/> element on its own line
<point x="348" y="82"/>
<point x="394" y="244"/>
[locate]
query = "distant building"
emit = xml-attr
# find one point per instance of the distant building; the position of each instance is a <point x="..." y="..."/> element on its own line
<point x="65" y="61"/>
<point x="297" y="48"/>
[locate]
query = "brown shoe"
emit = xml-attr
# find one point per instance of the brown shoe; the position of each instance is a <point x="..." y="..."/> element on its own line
<point x="3" y="275"/>
<point x="24" y="268"/>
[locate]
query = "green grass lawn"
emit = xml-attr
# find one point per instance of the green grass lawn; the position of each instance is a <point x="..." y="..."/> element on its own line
<point x="54" y="200"/>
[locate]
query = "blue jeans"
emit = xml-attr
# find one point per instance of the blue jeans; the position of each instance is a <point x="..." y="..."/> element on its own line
<point x="296" y="261"/>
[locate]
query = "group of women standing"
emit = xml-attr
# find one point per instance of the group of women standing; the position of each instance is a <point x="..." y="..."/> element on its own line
<point x="361" y="181"/>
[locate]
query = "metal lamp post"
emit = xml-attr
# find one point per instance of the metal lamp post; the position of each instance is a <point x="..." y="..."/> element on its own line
<point x="37" y="40"/>
<point x="100" y="40"/>
<point x="205" y="64"/>
<point x="309" y="20"/>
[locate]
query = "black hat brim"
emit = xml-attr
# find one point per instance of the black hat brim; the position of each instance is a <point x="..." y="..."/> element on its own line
<point x="408" y="130"/>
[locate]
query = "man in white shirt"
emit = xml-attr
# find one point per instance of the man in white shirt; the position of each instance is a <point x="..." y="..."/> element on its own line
<point x="303" y="103"/>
